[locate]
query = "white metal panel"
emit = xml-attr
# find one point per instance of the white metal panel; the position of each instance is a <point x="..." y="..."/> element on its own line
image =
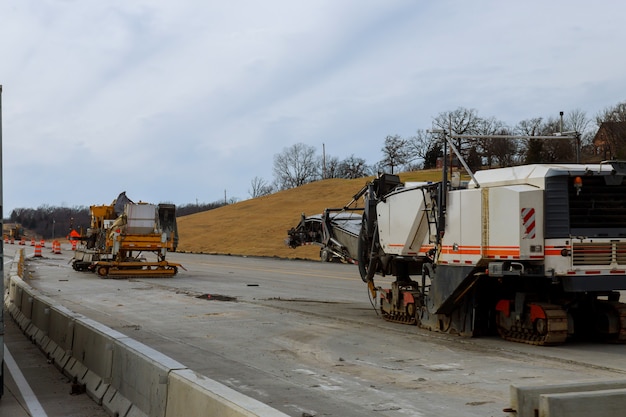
<point x="532" y="222"/>
<point x="140" y="218"/>
<point x="512" y="231"/>
<point x="554" y="258"/>
<point x="471" y="225"/>
<point x="531" y="174"/>
<point x="453" y="216"/>
<point x="461" y="241"/>
<point x="402" y="222"/>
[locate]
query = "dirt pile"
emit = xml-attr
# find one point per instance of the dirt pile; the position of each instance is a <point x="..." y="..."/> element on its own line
<point x="258" y="227"/>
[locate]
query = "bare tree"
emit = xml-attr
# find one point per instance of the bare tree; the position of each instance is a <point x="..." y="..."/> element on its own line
<point x="395" y="152"/>
<point x="353" y="167"/>
<point x="531" y="148"/>
<point x="461" y="121"/>
<point x="542" y="150"/>
<point x="419" y="145"/>
<point x="577" y="120"/>
<point x="489" y="147"/>
<point x="295" y="166"/>
<point x="557" y="150"/>
<point x="616" y="113"/>
<point x="259" y="187"/>
<point x="529" y="127"/>
<point x="503" y="151"/>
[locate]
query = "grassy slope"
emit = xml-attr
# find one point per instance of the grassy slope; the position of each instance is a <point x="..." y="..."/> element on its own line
<point x="258" y="227"/>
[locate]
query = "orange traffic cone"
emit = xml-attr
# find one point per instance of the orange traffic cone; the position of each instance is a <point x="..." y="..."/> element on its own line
<point x="56" y="247"/>
<point x="74" y="242"/>
<point x="37" y="251"/>
<point x="42" y="243"/>
<point x="32" y="242"/>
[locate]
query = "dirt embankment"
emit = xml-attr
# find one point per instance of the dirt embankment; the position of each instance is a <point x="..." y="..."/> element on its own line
<point x="258" y="227"/>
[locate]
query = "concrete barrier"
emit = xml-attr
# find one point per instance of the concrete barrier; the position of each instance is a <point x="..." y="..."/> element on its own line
<point x="603" y="403"/>
<point x="192" y="394"/>
<point x="526" y="401"/>
<point x="26" y="303"/>
<point x="141" y="374"/>
<point x="126" y="377"/>
<point x="61" y="336"/>
<point x="40" y="318"/>
<point x="92" y="356"/>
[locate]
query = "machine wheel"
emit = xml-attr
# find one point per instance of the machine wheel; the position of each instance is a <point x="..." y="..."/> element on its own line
<point x="410" y="310"/>
<point x="368" y="252"/>
<point x="102" y="271"/>
<point x="541" y="327"/>
<point x="325" y="256"/>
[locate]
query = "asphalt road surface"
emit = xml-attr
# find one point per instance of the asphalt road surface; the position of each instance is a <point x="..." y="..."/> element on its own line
<point x="304" y="338"/>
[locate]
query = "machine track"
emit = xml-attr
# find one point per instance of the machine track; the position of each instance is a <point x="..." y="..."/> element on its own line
<point x="621" y="309"/>
<point x="407" y="317"/>
<point x="398" y="304"/>
<point x="548" y="332"/>
<point x="123" y="270"/>
<point x="618" y="310"/>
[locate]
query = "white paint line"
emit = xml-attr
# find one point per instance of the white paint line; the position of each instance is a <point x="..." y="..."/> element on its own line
<point x="32" y="403"/>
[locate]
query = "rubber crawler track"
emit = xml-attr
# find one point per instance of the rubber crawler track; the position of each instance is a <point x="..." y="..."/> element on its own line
<point x="618" y="309"/>
<point x="556" y="325"/>
<point x="401" y="318"/>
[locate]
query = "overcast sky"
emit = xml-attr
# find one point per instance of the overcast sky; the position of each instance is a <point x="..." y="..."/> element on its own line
<point x="182" y="101"/>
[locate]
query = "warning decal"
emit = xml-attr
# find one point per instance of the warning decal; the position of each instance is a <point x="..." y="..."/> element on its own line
<point x="528" y="222"/>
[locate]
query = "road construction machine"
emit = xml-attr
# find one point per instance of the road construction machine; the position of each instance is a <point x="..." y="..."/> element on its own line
<point x="121" y="233"/>
<point x="335" y="231"/>
<point x="534" y="253"/>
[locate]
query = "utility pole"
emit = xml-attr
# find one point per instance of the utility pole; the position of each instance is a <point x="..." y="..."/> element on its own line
<point x="323" y="161"/>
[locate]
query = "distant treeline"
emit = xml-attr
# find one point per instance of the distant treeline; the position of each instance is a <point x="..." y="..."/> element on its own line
<point x="50" y="222"/>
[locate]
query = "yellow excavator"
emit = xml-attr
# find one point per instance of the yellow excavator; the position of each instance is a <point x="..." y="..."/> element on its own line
<point x="122" y="233"/>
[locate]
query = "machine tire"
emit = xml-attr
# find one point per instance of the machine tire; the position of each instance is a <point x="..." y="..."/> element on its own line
<point x="102" y="271"/>
<point x="367" y="263"/>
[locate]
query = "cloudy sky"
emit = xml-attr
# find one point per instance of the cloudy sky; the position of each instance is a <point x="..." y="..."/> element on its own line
<point x="184" y="101"/>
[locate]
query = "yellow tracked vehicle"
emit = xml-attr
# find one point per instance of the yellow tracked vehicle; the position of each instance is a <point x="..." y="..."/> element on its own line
<point x="120" y="236"/>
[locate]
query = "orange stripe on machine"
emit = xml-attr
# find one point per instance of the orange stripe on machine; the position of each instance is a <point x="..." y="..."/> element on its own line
<point x="502" y="252"/>
<point x="556" y="250"/>
<point x="499" y="252"/>
<point x="461" y="250"/>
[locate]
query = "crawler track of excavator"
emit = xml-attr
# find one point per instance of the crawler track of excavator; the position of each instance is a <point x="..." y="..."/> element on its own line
<point x="121" y="270"/>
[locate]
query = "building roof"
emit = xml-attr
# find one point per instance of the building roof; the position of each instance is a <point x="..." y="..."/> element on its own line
<point x="610" y="130"/>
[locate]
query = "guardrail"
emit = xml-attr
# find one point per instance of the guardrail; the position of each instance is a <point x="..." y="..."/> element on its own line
<point x="126" y="377"/>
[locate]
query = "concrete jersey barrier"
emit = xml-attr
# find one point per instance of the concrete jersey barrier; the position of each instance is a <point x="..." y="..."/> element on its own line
<point x="588" y="399"/>
<point x="126" y="377"/>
